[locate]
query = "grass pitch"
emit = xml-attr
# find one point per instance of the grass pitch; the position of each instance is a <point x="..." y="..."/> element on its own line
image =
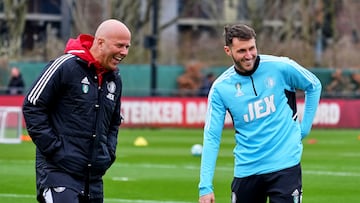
<point x="164" y="171"/>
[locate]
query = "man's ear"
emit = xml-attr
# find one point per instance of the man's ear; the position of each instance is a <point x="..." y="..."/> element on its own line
<point x="227" y="50"/>
<point x="100" y="41"/>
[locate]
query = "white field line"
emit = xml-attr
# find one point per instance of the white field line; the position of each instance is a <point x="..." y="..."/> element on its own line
<point x="332" y="173"/>
<point x="117" y="200"/>
<point x="140" y="201"/>
<point x="24" y="196"/>
<point x="188" y="167"/>
<point x="197" y="167"/>
<point x="229" y="168"/>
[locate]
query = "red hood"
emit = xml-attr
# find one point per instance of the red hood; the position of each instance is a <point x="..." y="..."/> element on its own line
<point x="80" y="47"/>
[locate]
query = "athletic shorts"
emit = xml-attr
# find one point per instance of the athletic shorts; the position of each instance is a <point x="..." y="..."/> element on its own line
<point x="284" y="186"/>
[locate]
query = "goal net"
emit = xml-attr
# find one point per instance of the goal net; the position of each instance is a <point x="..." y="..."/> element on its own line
<point x="10" y="124"/>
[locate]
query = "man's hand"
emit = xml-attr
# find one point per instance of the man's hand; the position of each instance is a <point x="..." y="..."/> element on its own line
<point x="208" y="198"/>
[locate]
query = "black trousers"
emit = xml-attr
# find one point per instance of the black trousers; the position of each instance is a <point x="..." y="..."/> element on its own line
<point x="284" y="186"/>
<point x="65" y="195"/>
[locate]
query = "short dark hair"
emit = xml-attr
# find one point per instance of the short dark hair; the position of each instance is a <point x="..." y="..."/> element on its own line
<point x="240" y="31"/>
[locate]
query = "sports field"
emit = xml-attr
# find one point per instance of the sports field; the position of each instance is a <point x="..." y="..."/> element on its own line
<point x="164" y="171"/>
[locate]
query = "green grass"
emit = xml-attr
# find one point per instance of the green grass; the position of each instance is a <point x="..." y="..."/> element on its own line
<point x="165" y="172"/>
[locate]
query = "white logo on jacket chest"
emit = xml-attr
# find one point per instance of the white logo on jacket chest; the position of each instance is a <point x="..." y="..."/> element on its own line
<point x="111" y="87"/>
<point x="85" y="85"/>
<point x="260" y="108"/>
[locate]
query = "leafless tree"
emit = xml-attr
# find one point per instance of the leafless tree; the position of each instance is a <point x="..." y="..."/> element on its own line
<point x="136" y="14"/>
<point x="86" y="15"/>
<point x="284" y="27"/>
<point x="14" y="17"/>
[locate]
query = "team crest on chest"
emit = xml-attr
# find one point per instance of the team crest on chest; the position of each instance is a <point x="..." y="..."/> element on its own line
<point x="111" y="87"/>
<point x="238" y="90"/>
<point x="269" y="82"/>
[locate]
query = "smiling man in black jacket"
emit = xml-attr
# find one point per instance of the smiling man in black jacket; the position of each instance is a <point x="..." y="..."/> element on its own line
<point x="72" y="113"/>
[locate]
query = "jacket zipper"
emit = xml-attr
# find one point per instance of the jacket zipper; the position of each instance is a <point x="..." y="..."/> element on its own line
<point x="253" y="85"/>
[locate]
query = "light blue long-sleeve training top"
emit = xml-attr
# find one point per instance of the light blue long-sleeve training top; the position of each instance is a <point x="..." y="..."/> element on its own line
<point x="262" y="106"/>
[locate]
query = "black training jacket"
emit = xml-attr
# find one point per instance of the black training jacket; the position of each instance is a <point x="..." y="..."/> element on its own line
<point x="74" y="123"/>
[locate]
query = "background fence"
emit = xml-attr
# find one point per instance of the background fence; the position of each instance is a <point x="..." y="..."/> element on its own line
<point x="137" y="77"/>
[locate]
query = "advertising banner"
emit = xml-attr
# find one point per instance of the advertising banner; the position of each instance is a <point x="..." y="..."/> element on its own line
<point x="190" y="112"/>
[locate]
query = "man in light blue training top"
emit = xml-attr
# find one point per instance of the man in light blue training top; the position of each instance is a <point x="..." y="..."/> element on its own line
<point x="258" y="91"/>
